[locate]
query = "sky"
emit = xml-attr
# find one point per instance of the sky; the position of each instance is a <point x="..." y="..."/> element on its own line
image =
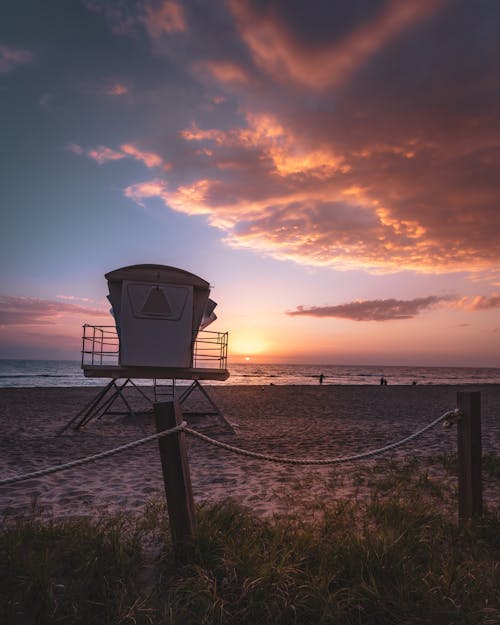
<point x="332" y="169"/>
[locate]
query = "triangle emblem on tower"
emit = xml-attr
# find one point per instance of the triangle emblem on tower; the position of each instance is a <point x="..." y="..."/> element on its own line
<point x="156" y="303"/>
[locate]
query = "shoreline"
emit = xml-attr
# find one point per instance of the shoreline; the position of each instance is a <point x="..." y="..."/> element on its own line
<point x="314" y="421"/>
<point x="227" y="384"/>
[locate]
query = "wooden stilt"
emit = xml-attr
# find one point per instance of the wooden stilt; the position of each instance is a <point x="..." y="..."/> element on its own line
<point x="216" y="410"/>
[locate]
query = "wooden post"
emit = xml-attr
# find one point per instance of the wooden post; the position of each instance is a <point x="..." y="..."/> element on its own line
<point x="176" y="476"/>
<point x="470" y="495"/>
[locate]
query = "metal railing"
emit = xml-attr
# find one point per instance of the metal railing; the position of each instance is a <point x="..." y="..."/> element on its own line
<point x="210" y="349"/>
<point x="101" y="346"/>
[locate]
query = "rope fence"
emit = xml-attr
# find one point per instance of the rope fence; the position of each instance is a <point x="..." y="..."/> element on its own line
<point x="93" y="458"/>
<point x="447" y="418"/>
<point x="450" y="414"/>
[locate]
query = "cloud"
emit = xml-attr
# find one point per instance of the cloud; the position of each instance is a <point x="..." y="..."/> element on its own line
<point x="145" y="190"/>
<point x="73" y="298"/>
<point x="107" y="87"/>
<point x="276" y="51"/>
<point x="271" y="189"/>
<point x="23" y="311"/>
<point x="166" y="18"/>
<point x="225" y="71"/>
<point x="158" y="18"/>
<point x="393" y="309"/>
<point x="478" y="302"/>
<point x="114" y="89"/>
<point x="12" y="57"/>
<point x="102" y="154"/>
<point x="373" y="310"/>
<point x="283" y="153"/>
<point x="355" y="135"/>
<point x="148" y="158"/>
<point x="75" y="148"/>
<point x="482" y="302"/>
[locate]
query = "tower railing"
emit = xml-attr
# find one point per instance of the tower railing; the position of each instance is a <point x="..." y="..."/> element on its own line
<point x="210" y="350"/>
<point x="101" y="347"/>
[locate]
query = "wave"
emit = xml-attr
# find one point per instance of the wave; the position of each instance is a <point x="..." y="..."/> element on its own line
<point x="26" y="373"/>
<point x="37" y="375"/>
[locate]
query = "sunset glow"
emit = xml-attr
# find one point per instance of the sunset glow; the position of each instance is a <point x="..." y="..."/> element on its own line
<point x="248" y="345"/>
<point x="331" y="169"/>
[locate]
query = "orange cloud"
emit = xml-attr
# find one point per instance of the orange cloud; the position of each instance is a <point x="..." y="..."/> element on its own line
<point x="277" y="52"/>
<point x="188" y="199"/>
<point x="294" y="226"/>
<point x="144" y="190"/>
<point x="116" y="89"/>
<point x="103" y="154"/>
<point x="150" y="159"/>
<point x="274" y="190"/>
<point x="481" y="302"/>
<point x="349" y="155"/>
<point x="288" y="153"/>
<point x="166" y="19"/>
<point x="225" y="71"/>
<point x="294" y="201"/>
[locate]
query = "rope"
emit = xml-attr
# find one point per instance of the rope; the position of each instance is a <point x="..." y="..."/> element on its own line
<point x="366" y="454"/>
<point x="450" y="414"/>
<point x="104" y="454"/>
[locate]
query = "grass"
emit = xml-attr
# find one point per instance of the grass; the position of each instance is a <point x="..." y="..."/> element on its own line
<point x="73" y="571"/>
<point x="396" y="559"/>
<point x="490" y="464"/>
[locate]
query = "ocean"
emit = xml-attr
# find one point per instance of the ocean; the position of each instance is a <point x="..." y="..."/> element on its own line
<point x="54" y="373"/>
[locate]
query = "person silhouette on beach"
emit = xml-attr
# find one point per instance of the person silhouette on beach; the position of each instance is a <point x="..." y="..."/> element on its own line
<point x="321" y="378"/>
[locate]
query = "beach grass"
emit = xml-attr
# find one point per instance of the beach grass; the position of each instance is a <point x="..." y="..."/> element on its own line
<point x="397" y="558"/>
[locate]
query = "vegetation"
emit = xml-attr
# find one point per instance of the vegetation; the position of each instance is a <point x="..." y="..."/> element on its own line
<point x="393" y="560"/>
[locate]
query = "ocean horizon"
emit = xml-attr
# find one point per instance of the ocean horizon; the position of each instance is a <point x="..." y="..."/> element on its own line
<point x="24" y="373"/>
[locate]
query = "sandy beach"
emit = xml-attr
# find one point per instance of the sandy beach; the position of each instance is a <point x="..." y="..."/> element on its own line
<point x="291" y="421"/>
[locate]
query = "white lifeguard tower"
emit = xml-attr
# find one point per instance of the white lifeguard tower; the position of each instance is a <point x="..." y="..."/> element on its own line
<point x="160" y="315"/>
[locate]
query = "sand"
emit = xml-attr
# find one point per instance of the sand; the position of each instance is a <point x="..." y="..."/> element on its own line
<point x="292" y="421"/>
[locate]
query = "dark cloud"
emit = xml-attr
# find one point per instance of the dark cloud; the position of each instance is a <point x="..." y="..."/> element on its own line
<point x="328" y="21"/>
<point x="351" y="37"/>
<point x="18" y="311"/>
<point x="373" y="310"/>
<point x="12" y="57"/>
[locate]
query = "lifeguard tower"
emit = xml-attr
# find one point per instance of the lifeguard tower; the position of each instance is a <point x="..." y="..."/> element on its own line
<point x="160" y="315"/>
